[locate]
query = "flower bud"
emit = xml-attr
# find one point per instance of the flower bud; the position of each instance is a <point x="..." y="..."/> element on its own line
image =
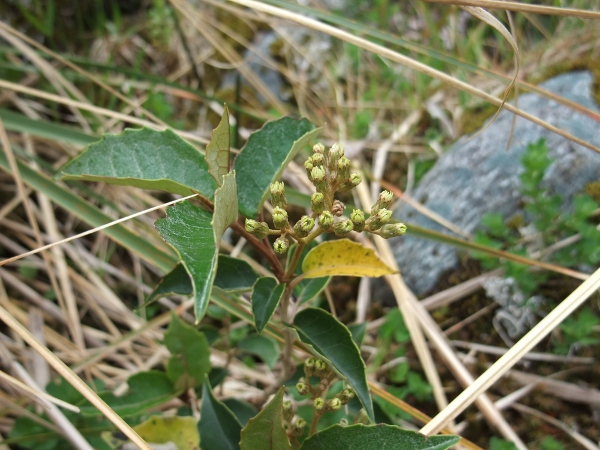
<point x="346" y="395"/>
<point x="280" y="218"/>
<point x="308" y="165"/>
<point x="384" y="201"/>
<point x="321" y="368"/>
<point x="319" y="179"/>
<point x="326" y="220"/>
<point x="343" y="170"/>
<point x="362" y="417"/>
<point x="318" y="159"/>
<point x="309" y="367"/>
<point x="333" y="405"/>
<point x="317" y="202"/>
<point x="287" y="410"/>
<point x="391" y="230"/>
<point x="343" y="422"/>
<point x="298" y="427"/>
<point x="358" y="220"/>
<point x="336" y="151"/>
<point x="338" y="208"/>
<point x="302" y="387"/>
<point x="375" y="222"/>
<point x="304" y="226"/>
<point x="319" y="404"/>
<point x="343" y="227"/>
<point x="278" y="195"/>
<point x="354" y="181"/>
<point x="319" y="148"/>
<point x="258" y="229"/>
<point x="281" y="245"/>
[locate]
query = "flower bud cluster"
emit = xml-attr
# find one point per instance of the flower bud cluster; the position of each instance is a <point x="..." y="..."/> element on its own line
<point x="330" y="172"/>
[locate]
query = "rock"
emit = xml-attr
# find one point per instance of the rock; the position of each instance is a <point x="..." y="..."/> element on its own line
<point x="478" y="176"/>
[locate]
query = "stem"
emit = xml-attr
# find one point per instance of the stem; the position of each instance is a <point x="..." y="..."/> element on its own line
<point x="266" y="250"/>
<point x="314" y="422"/>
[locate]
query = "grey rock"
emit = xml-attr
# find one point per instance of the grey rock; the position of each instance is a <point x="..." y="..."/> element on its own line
<point x="478" y="176"/>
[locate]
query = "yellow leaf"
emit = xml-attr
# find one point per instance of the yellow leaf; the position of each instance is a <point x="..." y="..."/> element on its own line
<point x="343" y="257"/>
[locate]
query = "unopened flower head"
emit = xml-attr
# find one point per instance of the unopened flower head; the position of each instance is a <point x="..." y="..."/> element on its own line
<point x="334" y="404"/>
<point x="337" y="209"/>
<point x="318" y="177"/>
<point x="319" y="148"/>
<point x="326" y="220"/>
<point x="308" y="165"/>
<point x="288" y="410"/>
<point x="319" y="404"/>
<point x="304" y="226"/>
<point x="278" y="194"/>
<point x="358" y="220"/>
<point x="317" y="202"/>
<point x="336" y="151"/>
<point x="354" y="181"/>
<point x="258" y="229"/>
<point x="384" y="201"/>
<point x="343" y="227"/>
<point x="280" y="218"/>
<point x="318" y="159"/>
<point x="346" y="395"/>
<point x="309" y="367"/>
<point x="321" y="368"/>
<point x="376" y="221"/>
<point x="343" y="169"/>
<point x="281" y="245"/>
<point x="391" y="230"/>
<point x="302" y="386"/>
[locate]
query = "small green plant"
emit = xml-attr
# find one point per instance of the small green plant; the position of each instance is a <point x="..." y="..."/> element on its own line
<point x="544" y="223"/>
<point x="232" y="196"/>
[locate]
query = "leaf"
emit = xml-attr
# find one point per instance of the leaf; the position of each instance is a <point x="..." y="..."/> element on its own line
<point x="306" y="290"/>
<point x="146" y="390"/>
<point x="218" y="427"/>
<point x="190" y="354"/>
<point x="265" y="156"/>
<point x="145" y="158"/>
<point x="331" y="339"/>
<point x="217" y="150"/>
<point x="375" y="437"/>
<point x="263" y="347"/>
<point x="266" y="294"/>
<point x="188" y="229"/>
<point x="181" y="431"/>
<point x="243" y="410"/>
<point x="358" y="330"/>
<point x="226" y="207"/>
<point x="343" y="257"/>
<point x="266" y="430"/>
<point x="233" y="275"/>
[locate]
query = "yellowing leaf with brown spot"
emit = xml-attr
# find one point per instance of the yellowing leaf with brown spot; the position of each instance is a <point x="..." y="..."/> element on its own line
<point x="343" y="257"/>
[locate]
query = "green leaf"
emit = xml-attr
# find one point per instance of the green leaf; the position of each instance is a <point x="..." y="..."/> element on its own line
<point x="358" y="331"/>
<point x="265" y="156"/>
<point x="217" y="150"/>
<point x="226" y="207"/>
<point x="190" y="354"/>
<point x="188" y="229"/>
<point x="343" y="257"/>
<point x="375" y="437"/>
<point x="266" y="294"/>
<point x="146" y="390"/>
<point x="331" y="339"/>
<point x="266" y="430"/>
<point x="181" y="431"/>
<point x="262" y="346"/>
<point x="219" y="428"/>
<point x="235" y="274"/>
<point x="243" y="410"/>
<point x="306" y="290"/>
<point x="145" y="158"/>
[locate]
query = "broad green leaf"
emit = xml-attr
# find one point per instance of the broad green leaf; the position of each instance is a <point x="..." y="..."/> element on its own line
<point x="226" y="207"/>
<point x="146" y="390"/>
<point x="181" y="431"/>
<point x="190" y="354"/>
<point x="331" y="339"/>
<point x="343" y="257"/>
<point x="233" y="275"/>
<point x="217" y="150"/>
<point x="144" y="158"/>
<point x="243" y="410"/>
<point x="188" y="229"/>
<point x="358" y="330"/>
<point x="375" y="437"/>
<point x="262" y="346"/>
<point x="265" y="298"/>
<point x="218" y="427"/>
<point x="265" y="156"/>
<point x="266" y="430"/>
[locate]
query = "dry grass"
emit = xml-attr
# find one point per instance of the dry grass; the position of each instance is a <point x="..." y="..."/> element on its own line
<point x="68" y="310"/>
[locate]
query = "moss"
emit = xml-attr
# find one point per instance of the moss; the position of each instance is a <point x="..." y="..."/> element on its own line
<point x="593" y="190"/>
